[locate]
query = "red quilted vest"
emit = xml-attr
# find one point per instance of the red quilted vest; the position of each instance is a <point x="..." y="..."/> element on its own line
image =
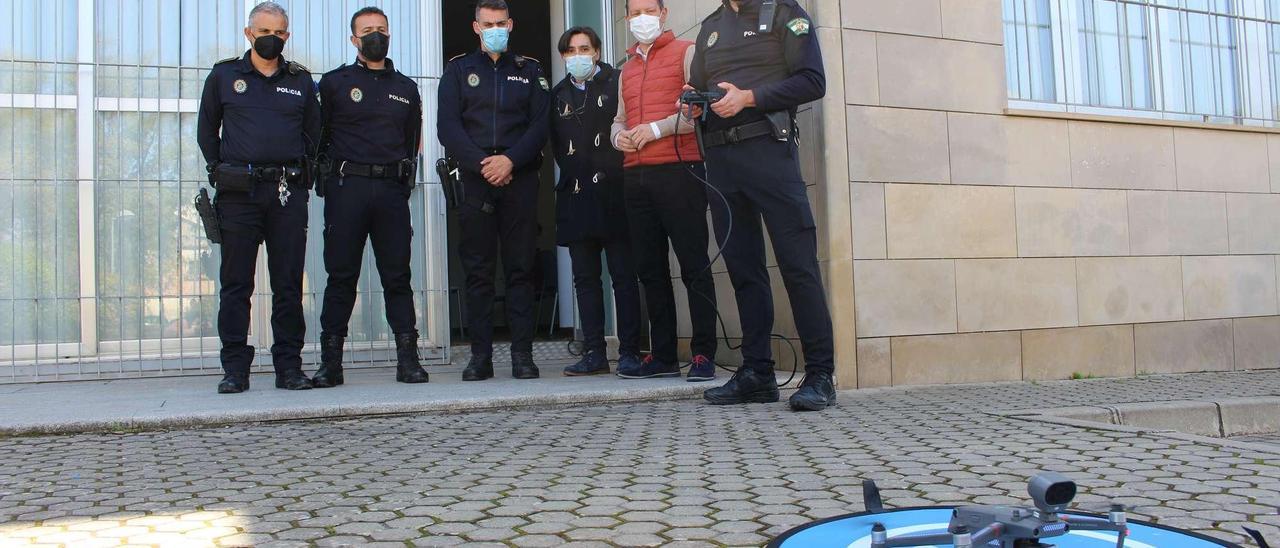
<point x="650" y="88"/>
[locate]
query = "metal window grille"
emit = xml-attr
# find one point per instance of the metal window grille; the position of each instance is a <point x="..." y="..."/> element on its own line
<point x="1191" y="60"/>
<point x="104" y="270"/>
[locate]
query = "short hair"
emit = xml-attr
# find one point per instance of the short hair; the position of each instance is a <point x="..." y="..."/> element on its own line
<point x="267" y="7"/>
<point x="371" y="10"/>
<point x="661" y="4"/>
<point x="496" y="5"/>
<point x="588" y="31"/>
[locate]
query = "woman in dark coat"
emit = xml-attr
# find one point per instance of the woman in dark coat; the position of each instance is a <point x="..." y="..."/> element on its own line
<point x="590" y="215"/>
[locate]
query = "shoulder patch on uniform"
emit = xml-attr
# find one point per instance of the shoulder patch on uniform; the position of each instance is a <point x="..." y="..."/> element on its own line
<point x="228" y="60"/>
<point x="296" y="68"/>
<point x="799" y="26"/>
<point x="545" y="85"/>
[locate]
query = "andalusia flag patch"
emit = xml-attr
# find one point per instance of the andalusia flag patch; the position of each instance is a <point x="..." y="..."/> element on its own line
<point x="799" y="26"/>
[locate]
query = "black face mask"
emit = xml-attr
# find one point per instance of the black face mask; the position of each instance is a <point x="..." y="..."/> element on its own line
<point x="269" y="46"/>
<point x="373" y="46"/>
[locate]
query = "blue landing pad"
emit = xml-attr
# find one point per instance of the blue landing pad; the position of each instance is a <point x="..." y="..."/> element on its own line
<point x="854" y="531"/>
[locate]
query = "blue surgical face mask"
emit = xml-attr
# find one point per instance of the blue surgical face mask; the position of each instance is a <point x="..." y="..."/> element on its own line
<point x="495" y="39"/>
<point x="579" y="66"/>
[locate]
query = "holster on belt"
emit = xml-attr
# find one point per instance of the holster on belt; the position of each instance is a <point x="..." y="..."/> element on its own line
<point x="208" y="216"/>
<point x="455" y="193"/>
<point x="323" y="170"/>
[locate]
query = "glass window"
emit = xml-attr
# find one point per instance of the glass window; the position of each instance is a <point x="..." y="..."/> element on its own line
<point x="1028" y="39"/>
<point x="1114" y="42"/>
<point x="39" y="240"/>
<point x="156" y="274"/>
<point x="320" y="33"/>
<point x="1186" y="59"/>
<point x="1200" y="51"/>
<point x="152" y="278"/>
<point x="38" y="43"/>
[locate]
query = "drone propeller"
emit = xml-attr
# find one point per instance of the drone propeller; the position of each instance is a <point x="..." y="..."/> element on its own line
<point x="871" y="497"/>
<point x="1257" y="537"/>
<point x="1106" y="509"/>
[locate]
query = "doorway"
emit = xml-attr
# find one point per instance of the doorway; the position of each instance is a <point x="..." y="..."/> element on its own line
<point x="532" y="37"/>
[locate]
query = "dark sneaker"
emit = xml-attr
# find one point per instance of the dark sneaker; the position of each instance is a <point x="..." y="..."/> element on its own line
<point x="701" y="369"/>
<point x="746" y="386"/>
<point x="629" y="365"/>
<point x="651" y="368"/>
<point x="629" y="361"/>
<point x="593" y="363"/>
<point x="233" y="384"/>
<point x="816" y="393"/>
<point x="293" y="380"/>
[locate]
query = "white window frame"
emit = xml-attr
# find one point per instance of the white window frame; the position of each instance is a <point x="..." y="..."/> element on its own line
<point x="1255" y="84"/>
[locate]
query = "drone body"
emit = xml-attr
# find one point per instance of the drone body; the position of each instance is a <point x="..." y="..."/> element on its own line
<point x="1008" y="527"/>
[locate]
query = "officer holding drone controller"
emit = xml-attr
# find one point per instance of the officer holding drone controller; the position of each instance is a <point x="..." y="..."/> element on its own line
<point x="763" y="56"/>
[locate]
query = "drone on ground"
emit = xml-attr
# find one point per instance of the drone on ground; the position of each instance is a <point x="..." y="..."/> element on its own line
<point x="1010" y="527"/>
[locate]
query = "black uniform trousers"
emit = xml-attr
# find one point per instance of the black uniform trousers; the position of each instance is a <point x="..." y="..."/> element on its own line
<point x="665" y="202"/>
<point x="357" y="209"/>
<point x="585" y="255"/>
<point x="513" y="224"/>
<point x="248" y="219"/>
<point x="761" y="178"/>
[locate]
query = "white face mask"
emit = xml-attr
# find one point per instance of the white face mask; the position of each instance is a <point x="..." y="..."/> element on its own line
<point x="646" y="28"/>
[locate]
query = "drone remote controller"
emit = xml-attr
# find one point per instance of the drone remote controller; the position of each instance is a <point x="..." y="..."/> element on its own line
<point x="703" y="99"/>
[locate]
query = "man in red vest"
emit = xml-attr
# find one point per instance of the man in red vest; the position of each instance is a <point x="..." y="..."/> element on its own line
<point x="664" y="198"/>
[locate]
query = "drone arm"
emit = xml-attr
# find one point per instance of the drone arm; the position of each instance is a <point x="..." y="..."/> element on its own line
<point x="917" y="540"/>
<point x="1082" y="523"/>
<point x="1117" y="524"/>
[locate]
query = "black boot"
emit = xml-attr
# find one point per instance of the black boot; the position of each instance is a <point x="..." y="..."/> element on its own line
<point x="408" y="365"/>
<point x="746" y="386"/>
<point x="330" y="373"/>
<point x="816" y="393"/>
<point x="522" y="366"/>
<point x="233" y="384"/>
<point x="293" y="380"/>
<point x="479" y="368"/>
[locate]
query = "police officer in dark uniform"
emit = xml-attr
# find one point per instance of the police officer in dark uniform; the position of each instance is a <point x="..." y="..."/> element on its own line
<point x="493" y="115"/>
<point x="368" y="153"/>
<point x="258" y="121"/>
<point x="763" y="54"/>
<point x="591" y="216"/>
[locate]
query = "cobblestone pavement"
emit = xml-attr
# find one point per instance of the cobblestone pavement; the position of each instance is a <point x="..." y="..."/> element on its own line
<point x="1273" y="440"/>
<point x="664" y="473"/>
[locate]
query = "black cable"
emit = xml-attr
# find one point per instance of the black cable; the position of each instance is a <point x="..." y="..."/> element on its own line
<point x="721" y="244"/>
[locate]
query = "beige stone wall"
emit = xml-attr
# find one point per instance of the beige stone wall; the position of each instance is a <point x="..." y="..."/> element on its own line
<point x="990" y="246"/>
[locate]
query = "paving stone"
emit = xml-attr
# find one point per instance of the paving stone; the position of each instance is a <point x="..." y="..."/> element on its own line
<point x="631" y="474"/>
